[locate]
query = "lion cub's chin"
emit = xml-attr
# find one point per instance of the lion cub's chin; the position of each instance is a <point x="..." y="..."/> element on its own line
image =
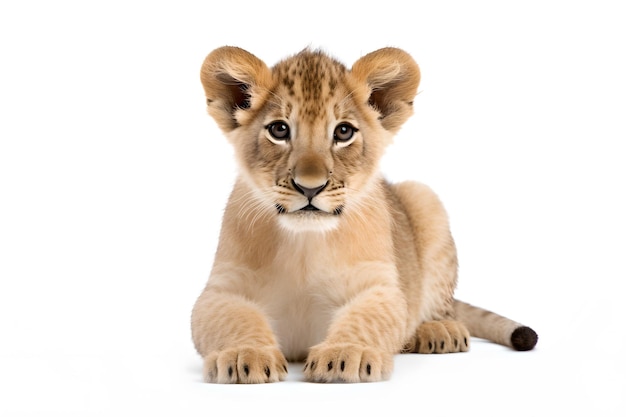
<point x="308" y="222"/>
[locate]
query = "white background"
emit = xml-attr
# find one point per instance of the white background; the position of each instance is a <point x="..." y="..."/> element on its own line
<point x="113" y="181"/>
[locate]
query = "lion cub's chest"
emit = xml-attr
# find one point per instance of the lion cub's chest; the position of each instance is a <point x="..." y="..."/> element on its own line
<point x="299" y="293"/>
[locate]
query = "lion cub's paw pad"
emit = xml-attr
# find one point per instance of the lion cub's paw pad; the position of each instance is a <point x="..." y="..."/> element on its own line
<point x="246" y="365"/>
<point x="347" y="363"/>
<point x="444" y="336"/>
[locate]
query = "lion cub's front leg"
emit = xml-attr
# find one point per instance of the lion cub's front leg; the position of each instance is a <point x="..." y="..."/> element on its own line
<point x="235" y="341"/>
<point x="362" y="340"/>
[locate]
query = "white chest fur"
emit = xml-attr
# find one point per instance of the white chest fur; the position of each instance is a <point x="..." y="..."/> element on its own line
<point x="305" y="285"/>
<point x="297" y="294"/>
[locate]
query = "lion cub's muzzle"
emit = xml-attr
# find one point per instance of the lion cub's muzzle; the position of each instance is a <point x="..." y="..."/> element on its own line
<point x="313" y="203"/>
<point x="309" y="193"/>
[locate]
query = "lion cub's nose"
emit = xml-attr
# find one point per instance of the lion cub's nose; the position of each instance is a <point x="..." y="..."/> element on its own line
<point x="309" y="192"/>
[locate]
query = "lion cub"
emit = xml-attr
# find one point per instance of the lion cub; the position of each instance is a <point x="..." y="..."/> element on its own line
<point x="320" y="259"/>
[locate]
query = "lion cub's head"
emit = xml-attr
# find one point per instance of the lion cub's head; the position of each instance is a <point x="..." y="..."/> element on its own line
<point x="309" y="132"/>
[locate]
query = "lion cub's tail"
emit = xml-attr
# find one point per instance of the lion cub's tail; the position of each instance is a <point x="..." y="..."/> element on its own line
<point x="491" y="326"/>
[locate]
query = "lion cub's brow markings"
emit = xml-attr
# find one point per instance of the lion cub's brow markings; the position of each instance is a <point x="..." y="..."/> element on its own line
<point x="311" y="80"/>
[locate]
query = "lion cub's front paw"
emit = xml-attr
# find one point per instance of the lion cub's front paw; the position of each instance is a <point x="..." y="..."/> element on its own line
<point x="245" y="365"/>
<point x="443" y="336"/>
<point x="347" y="363"/>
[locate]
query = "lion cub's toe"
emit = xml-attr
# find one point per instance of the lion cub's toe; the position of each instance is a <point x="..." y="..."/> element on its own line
<point x="441" y="336"/>
<point x="246" y="365"/>
<point x="347" y="363"/>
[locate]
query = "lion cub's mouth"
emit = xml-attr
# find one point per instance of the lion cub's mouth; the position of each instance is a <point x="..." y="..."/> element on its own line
<point x="309" y="208"/>
<point x="309" y="218"/>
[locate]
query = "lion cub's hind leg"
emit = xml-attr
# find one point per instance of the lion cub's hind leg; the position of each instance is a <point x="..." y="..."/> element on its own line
<point x="439" y="336"/>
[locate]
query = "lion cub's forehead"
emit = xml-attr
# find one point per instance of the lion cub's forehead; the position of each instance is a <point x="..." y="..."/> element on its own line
<point x="312" y="81"/>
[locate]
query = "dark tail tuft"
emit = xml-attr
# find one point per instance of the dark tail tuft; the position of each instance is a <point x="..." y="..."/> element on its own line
<point x="524" y="338"/>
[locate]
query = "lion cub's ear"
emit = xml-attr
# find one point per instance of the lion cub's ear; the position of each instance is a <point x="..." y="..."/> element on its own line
<point x="392" y="77"/>
<point x="234" y="81"/>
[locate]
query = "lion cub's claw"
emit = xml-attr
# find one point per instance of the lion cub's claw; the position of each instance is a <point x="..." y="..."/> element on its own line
<point x="347" y="363"/>
<point x="246" y="365"/>
<point x="442" y="336"/>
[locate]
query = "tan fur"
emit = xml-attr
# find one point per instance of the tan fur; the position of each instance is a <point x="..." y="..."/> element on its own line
<point x="319" y="259"/>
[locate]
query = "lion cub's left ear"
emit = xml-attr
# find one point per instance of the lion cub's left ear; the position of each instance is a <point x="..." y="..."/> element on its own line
<point x="392" y="77"/>
<point x="234" y="82"/>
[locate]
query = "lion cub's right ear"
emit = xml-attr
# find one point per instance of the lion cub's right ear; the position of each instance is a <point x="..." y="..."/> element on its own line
<point x="234" y="81"/>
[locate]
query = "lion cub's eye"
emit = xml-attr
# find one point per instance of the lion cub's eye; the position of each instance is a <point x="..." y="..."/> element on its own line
<point x="344" y="132"/>
<point x="279" y="130"/>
